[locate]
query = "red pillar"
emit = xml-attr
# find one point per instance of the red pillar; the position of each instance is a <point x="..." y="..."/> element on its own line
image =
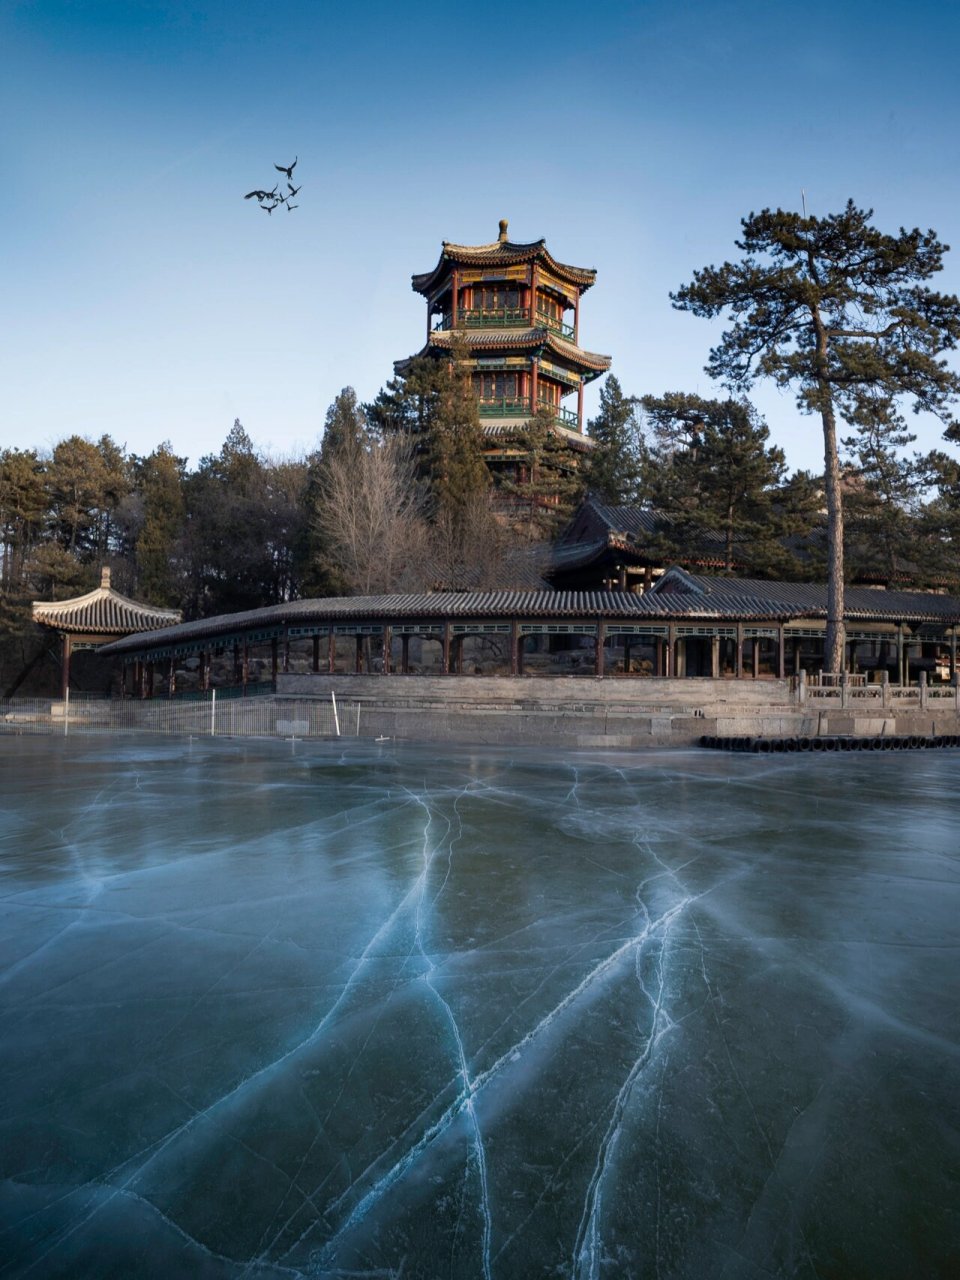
<point x="580" y="407"/>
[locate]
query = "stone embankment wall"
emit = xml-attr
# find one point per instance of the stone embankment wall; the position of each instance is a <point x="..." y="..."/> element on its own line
<point x="586" y="712"/>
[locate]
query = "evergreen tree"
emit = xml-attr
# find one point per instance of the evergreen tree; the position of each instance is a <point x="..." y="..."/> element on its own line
<point x="835" y="309"/>
<point x="715" y="479"/>
<point x="549" y="483"/>
<point x="614" y="469"/>
<point x="882" y="495"/>
<point x="456" y="467"/>
<point x="22" y="509"/>
<point x="159" y="481"/>
<point x="345" y="428"/>
<point x="407" y="405"/>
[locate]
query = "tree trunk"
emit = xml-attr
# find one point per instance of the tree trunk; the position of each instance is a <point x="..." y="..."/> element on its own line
<point x="834" y="641"/>
<point x="833" y="646"/>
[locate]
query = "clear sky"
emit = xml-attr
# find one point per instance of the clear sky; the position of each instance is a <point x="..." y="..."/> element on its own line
<point x="143" y="297"/>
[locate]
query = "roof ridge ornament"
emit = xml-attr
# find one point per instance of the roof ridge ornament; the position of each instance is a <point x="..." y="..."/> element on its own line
<point x="105" y="578"/>
<point x="503" y="230"/>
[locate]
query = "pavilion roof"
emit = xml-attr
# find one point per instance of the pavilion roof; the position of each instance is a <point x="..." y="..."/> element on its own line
<point x="102" y="611"/>
<point x="501" y="252"/>
<point x="513" y="340"/>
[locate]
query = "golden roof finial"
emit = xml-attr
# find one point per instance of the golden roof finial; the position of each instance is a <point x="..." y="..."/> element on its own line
<point x="503" y="230"/>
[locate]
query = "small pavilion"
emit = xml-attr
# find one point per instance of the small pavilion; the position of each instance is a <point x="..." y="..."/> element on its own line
<point x="97" y="618"/>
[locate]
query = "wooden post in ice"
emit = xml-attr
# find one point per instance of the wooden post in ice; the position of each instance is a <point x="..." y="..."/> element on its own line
<point x="336" y="718"/>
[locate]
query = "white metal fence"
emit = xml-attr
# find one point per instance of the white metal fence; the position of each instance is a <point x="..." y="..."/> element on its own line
<point x="208" y="716"/>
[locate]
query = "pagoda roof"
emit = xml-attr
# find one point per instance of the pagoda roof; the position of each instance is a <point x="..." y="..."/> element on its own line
<point x="104" y="612"/>
<point x="501" y="253"/>
<point x="512" y="340"/>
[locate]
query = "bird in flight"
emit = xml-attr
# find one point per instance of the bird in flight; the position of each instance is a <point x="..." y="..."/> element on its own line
<point x="268" y="200"/>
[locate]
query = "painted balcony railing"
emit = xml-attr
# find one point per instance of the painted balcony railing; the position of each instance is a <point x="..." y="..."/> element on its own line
<point x="555" y="325"/>
<point x="504" y="318"/>
<point x="494" y="318"/>
<point x="517" y="407"/>
<point x="521" y="407"/>
<point x="566" y="417"/>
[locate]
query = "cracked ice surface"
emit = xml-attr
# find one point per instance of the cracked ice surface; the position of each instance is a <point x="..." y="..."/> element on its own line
<point x="360" y="1010"/>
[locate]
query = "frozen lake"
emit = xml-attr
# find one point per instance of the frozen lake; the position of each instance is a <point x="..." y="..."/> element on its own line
<point x="275" y="1009"/>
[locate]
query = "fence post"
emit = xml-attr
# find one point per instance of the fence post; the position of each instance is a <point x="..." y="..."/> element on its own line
<point x="923" y="690"/>
<point x="843" y="688"/>
<point x="66" y="711"/>
<point x="884" y="687"/>
<point x="336" y="718"/>
<point x="801" y="687"/>
<point x="213" y="713"/>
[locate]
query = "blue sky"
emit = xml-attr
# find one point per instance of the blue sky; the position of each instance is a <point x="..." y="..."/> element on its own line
<point x="143" y="297"/>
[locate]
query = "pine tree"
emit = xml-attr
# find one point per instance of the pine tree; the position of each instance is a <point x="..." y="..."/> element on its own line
<point x="614" y="468"/>
<point x="836" y="310"/>
<point x="715" y="479"/>
<point x="159" y="480"/>
<point x="882" y="494"/>
<point x="455" y="463"/>
<point x="550" y="482"/>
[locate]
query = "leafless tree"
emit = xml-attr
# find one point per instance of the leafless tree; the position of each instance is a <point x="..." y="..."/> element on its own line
<point x="372" y="518"/>
<point x="474" y="549"/>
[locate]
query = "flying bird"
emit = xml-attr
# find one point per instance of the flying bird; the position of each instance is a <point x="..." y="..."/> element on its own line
<point x="269" y="208"/>
<point x="293" y="189"/>
<point x="292" y="206"/>
<point x="288" y="171"/>
<point x="261" y="195"/>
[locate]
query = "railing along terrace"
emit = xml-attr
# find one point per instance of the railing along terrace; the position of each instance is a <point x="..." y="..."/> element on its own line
<point x="503" y="318"/>
<point x="852" y="689"/>
<point x="505" y="407"/>
<point x="555" y="325"/>
<point x="564" y="416"/>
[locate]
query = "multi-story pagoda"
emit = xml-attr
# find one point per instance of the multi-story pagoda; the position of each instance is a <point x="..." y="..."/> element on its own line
<point x="520" y="312"/>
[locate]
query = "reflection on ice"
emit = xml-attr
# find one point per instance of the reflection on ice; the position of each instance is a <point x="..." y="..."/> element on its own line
<point x="318" y="1011"/>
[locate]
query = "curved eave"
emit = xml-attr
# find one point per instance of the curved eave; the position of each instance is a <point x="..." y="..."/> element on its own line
<point x="497" y="255"/>
<point x="590" y="363"/>
<point x="104" y="612"/>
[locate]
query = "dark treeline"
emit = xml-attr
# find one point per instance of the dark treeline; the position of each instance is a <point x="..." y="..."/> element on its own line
<point x="397" y="497"/>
